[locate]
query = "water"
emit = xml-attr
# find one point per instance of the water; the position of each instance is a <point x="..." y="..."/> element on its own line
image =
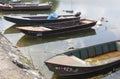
<point x="41" y="49"/>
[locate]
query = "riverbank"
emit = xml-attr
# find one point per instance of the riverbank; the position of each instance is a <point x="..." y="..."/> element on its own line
<point x="13" y="65"/>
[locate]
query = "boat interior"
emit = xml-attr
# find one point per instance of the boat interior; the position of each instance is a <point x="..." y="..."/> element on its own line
<point x="45" y="17"/>
<point x="90" y="56"/>
<point x="54" y="26"/>
<point x="68" y="24"/>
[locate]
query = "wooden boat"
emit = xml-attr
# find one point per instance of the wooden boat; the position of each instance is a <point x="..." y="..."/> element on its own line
<point x="57" y="28"/>
<point x="85" y="60"/>
<point x="27" y="40"/>
<point x="25" y="6"/>
<point x="37" y="20"/>
<point x="10" y="2"/>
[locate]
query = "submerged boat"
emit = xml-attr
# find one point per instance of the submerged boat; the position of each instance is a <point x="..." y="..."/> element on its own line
<point x="57" y="28"/>
<point x="85" y="60"/>
<point x="38" y="20"/>
<point x="25" y="6"/>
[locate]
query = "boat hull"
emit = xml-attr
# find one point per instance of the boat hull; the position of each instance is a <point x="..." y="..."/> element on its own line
<point x="63" y="70"/>
<point x="25" y="7"/>
<point x="37" y="21"/>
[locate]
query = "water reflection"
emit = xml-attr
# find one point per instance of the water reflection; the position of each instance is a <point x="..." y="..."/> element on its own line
<point x="55" y="3"/>
<point x="29" y="40"/>
<point x="11" y="30"/>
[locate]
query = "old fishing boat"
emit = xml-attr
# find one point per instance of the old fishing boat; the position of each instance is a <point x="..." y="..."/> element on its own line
<point x="57" y="28"/>
<point x="37" y="20"/>
<point x="10" y="1"/>
<point x="85" y="60"/>
<point x="23" y="41"/>
<point x="25" y="6"/>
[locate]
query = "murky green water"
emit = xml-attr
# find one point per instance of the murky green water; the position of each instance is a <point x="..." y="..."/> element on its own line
<point x="41" y="49"/>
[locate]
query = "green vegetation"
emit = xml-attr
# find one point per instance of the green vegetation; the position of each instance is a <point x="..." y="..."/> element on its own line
<point x="27" y="61"/>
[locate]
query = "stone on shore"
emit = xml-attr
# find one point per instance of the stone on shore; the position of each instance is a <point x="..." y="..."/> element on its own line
<point x="13" y="64"/>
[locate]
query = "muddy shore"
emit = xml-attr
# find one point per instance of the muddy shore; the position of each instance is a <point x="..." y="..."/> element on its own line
<point x="13" y="65"/>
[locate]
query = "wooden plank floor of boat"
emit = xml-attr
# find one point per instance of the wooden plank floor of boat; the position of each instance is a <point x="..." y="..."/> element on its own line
<point x="74" y="61"/>
<point x="32" y="28"/>
<point x="107" y="56"/>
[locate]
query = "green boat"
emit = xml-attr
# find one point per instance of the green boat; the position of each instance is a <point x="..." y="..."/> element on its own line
<point x="85" y="60"/>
